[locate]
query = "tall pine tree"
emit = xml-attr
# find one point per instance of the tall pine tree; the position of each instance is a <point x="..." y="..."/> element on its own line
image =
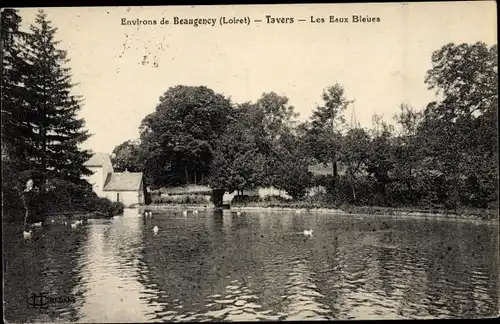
<point x="53" y="109"/>
<point x="16" y="130"/>
<point x="15" y="126"/>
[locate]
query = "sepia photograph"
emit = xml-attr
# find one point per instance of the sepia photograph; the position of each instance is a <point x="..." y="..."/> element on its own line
<point x="250" y="162"/>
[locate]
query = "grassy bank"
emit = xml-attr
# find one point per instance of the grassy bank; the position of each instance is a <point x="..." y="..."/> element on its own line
<point x="466" y="213"/>
<point x="469" y="213"/>
<point x="483" y="214"/>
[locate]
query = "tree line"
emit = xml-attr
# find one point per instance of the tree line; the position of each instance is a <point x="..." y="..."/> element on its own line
<point x="41" y="130"/>
<point x="444" y="155"/>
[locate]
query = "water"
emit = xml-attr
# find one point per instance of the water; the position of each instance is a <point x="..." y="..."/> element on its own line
<point x="256" y="266"/>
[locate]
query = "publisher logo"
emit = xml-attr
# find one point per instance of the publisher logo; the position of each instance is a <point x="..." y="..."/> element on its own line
<point x="44" y="300"/>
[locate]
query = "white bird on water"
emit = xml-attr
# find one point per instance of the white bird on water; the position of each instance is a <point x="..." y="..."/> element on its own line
<point x="74" y="225"/>
<point x="185" y="213"/>
<point x="27" y="235"/>
<point x="39" y="224"/>
<point x="308" y="233"/>
<point x="238" y="213"/>
<point x="155" y="229"/>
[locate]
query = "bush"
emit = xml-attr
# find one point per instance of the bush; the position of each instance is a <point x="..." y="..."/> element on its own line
<point x="63" y="196"/>
<point x="216" y="197"/>
<point x="12" y="205"/>
<point x="177" y="199"/>
<point x="274" y="199"/>
<point x="107" y="207"/>
<point x="245" y="199"/>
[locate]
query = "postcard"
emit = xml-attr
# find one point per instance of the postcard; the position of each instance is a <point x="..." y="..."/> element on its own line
<point x="250" y="162"/>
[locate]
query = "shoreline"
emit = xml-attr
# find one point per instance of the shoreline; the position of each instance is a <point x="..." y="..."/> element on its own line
<point x="404" y="212"/>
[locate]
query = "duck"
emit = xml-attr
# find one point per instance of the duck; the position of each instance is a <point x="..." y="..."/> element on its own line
<point x="308" y="233"/>
<point x="238" y="213"/>
<point x="39" y="224"/>
<point x="27" y="235"/>
<point x="155" y="229"/>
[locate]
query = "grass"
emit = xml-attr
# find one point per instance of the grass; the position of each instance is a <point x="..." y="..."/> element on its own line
<point x="476" y="213"/>
<point x="483" y="214"/>
<point x="185" y="190"/>
<point x="195" y="195"/>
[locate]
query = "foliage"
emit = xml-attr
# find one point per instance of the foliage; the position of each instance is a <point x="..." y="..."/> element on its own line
<point x="354" y="153"/>
<point x="237" y="162"/>
<point x="41" y="130"/>
<point x="244" y="199"/>
<point x="442" y="157"/>
<point x="323" y="134"/>
<point x="126" y="157"/>
<point x="53" y="110"/>
<point x="61" y="196"/>
<point x="107" y="207"/>
<point x="291" y="168"/>
<point x="180" y="199"/>
<point x="177" y="139"/>
<point x="460" y="131"/>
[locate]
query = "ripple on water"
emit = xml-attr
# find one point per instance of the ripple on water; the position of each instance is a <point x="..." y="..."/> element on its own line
<point x="398" y="273"/>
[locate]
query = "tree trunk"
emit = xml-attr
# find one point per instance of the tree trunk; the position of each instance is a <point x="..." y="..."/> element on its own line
<point x="334" y="171"/>
<point x="25" y="205"/>
<point x="186" y="174"/>
<point x="352" y="187"/>
<point x="410" y="189"/>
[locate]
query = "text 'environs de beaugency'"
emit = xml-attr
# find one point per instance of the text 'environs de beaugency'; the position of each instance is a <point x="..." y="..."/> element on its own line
<point x="268" y="19"/>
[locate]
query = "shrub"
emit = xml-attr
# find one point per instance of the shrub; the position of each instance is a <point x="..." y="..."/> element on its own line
<point x="107" y="207"/>
<point x="217" y="196"/>
<point x="178" y="199"/>
<point x="244" y="199"/>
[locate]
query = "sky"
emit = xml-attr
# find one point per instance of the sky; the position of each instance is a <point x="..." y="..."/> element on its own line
<point x="122" y="70"/>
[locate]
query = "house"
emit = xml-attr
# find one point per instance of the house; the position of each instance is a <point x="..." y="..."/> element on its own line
<point x="126" y="187"/>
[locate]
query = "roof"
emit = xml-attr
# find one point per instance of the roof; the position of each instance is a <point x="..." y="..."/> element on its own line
<point x="98" y="159"/>
<point x="123" y="181"/>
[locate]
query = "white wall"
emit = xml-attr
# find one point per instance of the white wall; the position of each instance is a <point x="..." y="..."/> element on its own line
<point x="96" y="180"/>
<point x="99" y="176"/>
<point x="128" y="198"/>
<point x="107" y="168"/>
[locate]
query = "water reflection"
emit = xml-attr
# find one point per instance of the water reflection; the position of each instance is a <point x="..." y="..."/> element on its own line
<point x="109" y="267"/>
<point x="225" y="267"/>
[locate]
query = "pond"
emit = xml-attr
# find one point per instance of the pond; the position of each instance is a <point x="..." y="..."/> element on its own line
<point x="254" y="266"/>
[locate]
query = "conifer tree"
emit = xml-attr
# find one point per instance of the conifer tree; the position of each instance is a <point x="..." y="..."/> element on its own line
<point x="15" y="126"/>
<point x="53" y="109"/>
<point x="16" y="131"/>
